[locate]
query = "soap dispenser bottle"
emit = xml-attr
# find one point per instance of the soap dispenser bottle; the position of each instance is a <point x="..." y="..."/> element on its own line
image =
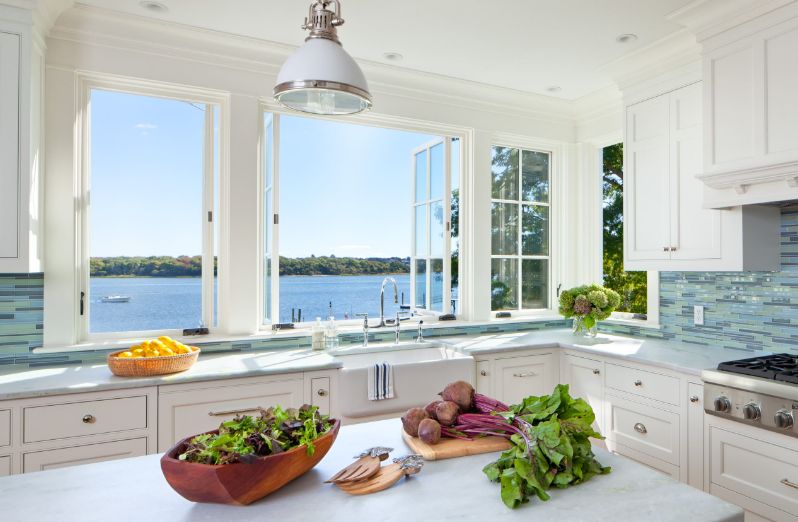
<point x="317" y="335"/>
<point x="331" y="334"/>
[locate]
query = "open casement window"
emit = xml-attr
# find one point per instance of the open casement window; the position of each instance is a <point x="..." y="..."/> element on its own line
<point x="149" y="182"/>
<point x="430" y="263"/>
<point x="270" y="264"/>
<point x="520" y="267"/>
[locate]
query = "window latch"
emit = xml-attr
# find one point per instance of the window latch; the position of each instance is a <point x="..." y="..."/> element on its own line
<point x="210" y="216"/>
<point x="277" y="219"/>
<point x="82" y="297"/>
<point x="558" y="289"/>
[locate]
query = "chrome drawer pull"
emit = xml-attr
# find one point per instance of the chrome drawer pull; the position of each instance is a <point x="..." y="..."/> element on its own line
<point x="596" y="371"/>
<point x="788" y="483"/>
<point x="484" y="373"/>
<point x="640" y="428"/>
<point x="525" y="374"/>
<point x="694" y="398"/>
<point x="232" y="412"/>
<point x="89" y="419"/>
<point x="638" y="383"/>
<point x="322" y="392"/>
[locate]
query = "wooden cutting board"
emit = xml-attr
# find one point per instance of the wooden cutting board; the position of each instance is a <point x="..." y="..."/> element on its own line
<point x="451" y="448"/>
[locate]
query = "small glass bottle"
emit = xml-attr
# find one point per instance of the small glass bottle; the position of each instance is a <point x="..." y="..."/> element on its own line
<point x="317" y="335"/>
<point x="331" y="334"/>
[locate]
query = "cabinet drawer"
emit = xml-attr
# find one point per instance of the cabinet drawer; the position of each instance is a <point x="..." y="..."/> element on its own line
<point x="5" y="466"/>
<point x="754" y="468"/>
<point x="78" y="419"/>
<point x="644" y="383"/>
<point x="87" y="454"/>
<point x="519" y="377"/>
<point x="5" y="428"/>
<point x="646" y="429"/>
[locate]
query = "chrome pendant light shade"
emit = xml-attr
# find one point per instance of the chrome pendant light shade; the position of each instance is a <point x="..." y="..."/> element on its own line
<point x="320" y="77"/>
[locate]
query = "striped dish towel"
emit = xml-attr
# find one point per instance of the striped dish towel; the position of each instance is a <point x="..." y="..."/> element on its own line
<point x="380" y="382"/>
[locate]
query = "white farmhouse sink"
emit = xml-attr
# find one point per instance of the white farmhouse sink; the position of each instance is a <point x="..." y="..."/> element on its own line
<point x="420" y="371"/>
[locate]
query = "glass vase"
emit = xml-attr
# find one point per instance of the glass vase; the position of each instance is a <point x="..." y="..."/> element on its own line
<point x="582" y="330"/>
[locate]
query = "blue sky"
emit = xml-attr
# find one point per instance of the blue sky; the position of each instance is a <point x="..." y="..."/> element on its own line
<point x="344" y="188"/>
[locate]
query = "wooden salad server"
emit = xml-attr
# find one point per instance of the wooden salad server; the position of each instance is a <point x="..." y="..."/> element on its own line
<point x="386" y="477"/>
<point x="367" y="465"/>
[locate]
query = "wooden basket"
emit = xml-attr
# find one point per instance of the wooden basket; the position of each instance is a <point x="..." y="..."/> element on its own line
<point x="149" y="366"/>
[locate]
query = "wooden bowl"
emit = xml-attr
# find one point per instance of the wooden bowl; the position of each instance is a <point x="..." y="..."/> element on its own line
<point x="241" y="483"/>
<point x="148" y="366"/>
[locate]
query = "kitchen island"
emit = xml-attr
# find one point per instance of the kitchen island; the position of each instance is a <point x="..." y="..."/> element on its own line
<point x="455" y="489"/>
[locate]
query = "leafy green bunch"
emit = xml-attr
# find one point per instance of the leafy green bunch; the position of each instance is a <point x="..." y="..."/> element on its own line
<point x="246" y="438"/>
<point x="554" y="450"/>
<point x="592" y="302"/>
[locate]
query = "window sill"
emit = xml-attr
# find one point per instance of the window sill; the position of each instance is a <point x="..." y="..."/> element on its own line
<point x="304" y="331"/>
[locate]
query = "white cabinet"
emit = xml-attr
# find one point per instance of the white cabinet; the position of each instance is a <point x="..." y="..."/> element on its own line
<point x="5" y="466"/>
<point x="84" y="454"/>
<point x="188" y="409"/>
<point x="750" y="110"/>
<point x="585" y="378"/>
<point x="516" y="378"/>
<point x="666" y="226"/>
<point x="5" y="428"/>
<point x="21" y="81"/>
<point x="695" y="435"/>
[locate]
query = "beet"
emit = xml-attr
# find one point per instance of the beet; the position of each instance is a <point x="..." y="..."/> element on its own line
<point x="429" y="431"/>
<point x="412" y="419"/>
<point x="446" y="412"/>
<point x="430" y="409"/>
<point x="460" y="393"/>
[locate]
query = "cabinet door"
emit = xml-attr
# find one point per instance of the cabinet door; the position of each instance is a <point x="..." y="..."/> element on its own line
<point x="646" y="184"/>
<point x="5" y="466"/>
<point x="695" y="231"/>
<point x="9" y="145"/>
<point x="586" y="380"/>
<point x="320" y="394"/>
<point x="90" y="453"/>
<point x="519" y="377"/>
<point x="695" y="435"/>
<point x="483" y="378"/>
<point x="185" y="410"/>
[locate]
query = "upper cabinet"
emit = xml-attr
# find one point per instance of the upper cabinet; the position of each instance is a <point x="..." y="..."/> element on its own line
<point x="751" y="111"/>
<point x="21" y="79"/>
<point x="666" y="226"/>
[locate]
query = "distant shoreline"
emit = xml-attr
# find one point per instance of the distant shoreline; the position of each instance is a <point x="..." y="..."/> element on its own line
<point x="197" y="277"/>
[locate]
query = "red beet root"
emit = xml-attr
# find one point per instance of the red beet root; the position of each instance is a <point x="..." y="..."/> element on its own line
<point x="460" y="393"/>
<point x="446" y="412"/>
<point x="429" y="431"/>
<point x="430" y="409"/>
<point x="412" y="419"/>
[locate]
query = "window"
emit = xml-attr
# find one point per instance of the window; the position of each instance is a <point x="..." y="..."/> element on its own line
<point x="519" y="229"/>
<point x="335" y="225"/>
<point x="150" y="188"/>
<point x="631" y="286"/>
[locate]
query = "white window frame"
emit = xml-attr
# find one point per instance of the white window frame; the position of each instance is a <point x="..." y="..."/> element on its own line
<point x="464" y="134"/>
<point x="555" y="205"/>
<point x="89" y="82"/>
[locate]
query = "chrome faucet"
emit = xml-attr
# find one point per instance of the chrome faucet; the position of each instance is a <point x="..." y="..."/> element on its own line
<point x="365" y="330"/>
<point x="420" y="338"/>
<point x="396" y="329"/>
<point x="382" y="299"/>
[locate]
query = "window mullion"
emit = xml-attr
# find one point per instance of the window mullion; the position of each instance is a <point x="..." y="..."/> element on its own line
<point x="274" y="221"/>
<point x="207" y="219"/>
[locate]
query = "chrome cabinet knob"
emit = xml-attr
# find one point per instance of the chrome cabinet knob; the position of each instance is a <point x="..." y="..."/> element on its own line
<point x="89" y="419"/>
<point x="322" y="392"/>
<point x="596" y="371"/>
<point x="784" y="419"/>
<point x="484" y="373"/>
<point x="694" y="398"/>
<point x="751" y="411"/>
<point x="640" y="428"/>
<point x="638" y="383"/>
<point x="722" y="404"/>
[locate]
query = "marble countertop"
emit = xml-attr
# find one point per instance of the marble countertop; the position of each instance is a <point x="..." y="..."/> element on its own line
<point x="59" y="380"/>
<point x="672" y="355"/>
<point x="454" y="489"/>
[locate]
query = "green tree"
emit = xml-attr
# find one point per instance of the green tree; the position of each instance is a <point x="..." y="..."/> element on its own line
<point x="632" y="286"/>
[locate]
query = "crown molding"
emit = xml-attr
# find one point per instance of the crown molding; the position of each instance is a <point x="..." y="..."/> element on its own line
<point x="707" y="18"/>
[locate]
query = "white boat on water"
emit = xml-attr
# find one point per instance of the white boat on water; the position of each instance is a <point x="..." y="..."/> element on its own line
<point x="115" y="299"/>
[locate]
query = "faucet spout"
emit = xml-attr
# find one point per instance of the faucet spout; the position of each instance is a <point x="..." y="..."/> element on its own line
<point x="386" y="281"/>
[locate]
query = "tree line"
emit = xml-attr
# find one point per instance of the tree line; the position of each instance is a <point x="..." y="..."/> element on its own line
<point x="191" y="266"/>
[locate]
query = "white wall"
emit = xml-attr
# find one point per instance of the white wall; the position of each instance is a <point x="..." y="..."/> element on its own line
<point x="97" y="41"/>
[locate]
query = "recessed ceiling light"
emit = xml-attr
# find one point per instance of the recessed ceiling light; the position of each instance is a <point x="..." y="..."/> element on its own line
<point x="553" y="88"/>
<point x="393" y="57"/>
<point x="155" y="7"/>
<point x="626" y="38"/>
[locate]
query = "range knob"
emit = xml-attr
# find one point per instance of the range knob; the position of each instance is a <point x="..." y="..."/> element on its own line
<point x="751" y="411"/>
<point x="722" y="404"/>
<point x="783" y="419"/>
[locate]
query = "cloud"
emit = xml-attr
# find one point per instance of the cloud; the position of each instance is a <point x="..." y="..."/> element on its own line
<point x="146" y="126"/>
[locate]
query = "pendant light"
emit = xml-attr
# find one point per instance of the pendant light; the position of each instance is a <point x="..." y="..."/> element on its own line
<point x="320" y="77"/>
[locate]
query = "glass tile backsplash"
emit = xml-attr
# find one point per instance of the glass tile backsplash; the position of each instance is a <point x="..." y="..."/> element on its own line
<point x="743" y="310"/>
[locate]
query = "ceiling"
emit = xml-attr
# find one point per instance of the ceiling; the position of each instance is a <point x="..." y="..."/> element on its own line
<point x="527" y="45"/>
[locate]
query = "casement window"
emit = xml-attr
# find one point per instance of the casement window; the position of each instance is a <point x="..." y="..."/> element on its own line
<point x="520" y="225"/>
<point x="333" y="226"/>
<point x="148" y="211"/>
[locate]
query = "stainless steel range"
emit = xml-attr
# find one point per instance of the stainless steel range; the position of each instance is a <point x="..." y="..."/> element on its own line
<point x="760" y="391"/>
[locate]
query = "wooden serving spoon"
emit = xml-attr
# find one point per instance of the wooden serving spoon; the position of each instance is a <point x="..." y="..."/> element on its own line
<point x="386" y="477"/>
<point x="367" y="465"/>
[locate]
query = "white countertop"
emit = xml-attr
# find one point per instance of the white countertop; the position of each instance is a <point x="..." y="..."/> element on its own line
<point x="455" y="489"/>
<point x="59" y="380"/>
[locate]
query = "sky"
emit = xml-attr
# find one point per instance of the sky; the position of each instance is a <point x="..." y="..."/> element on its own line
<point x="345" y="189"/>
